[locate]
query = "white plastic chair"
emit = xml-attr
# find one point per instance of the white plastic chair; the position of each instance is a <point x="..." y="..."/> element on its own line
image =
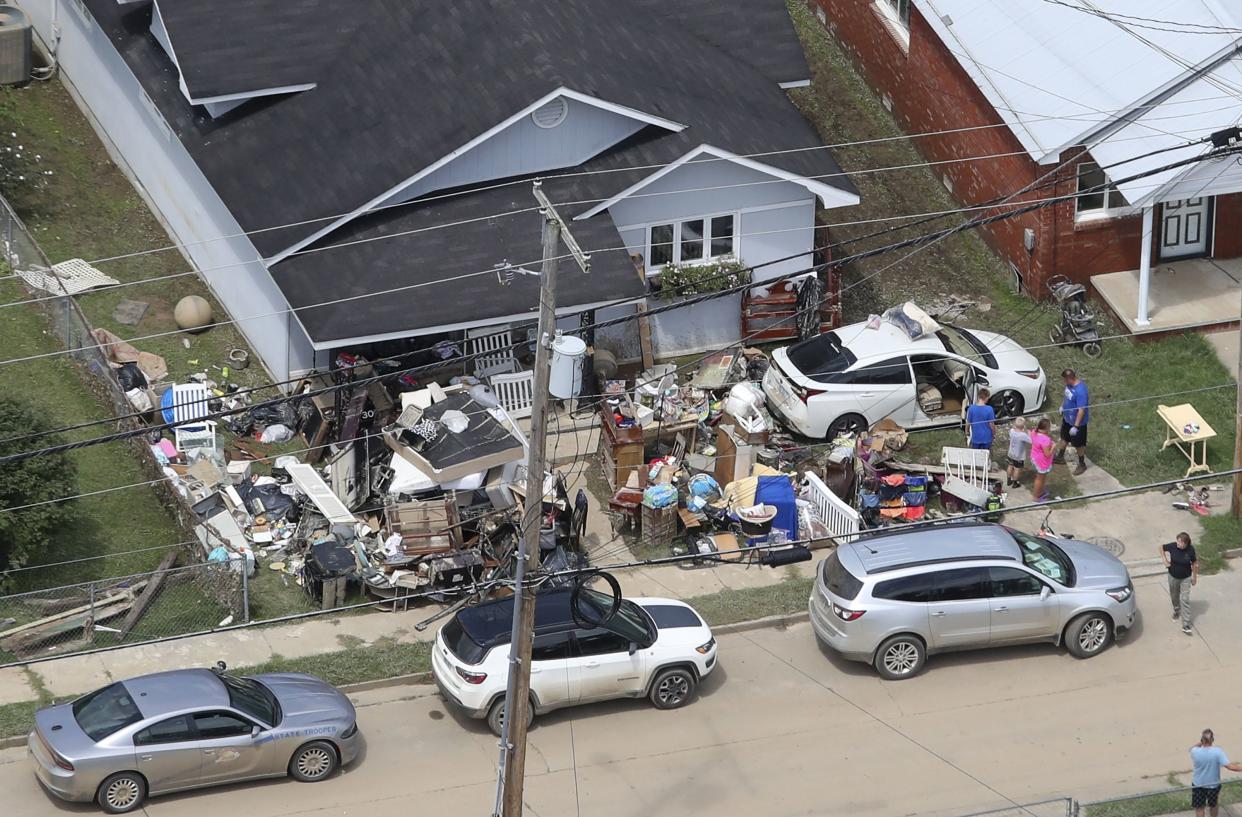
<point x="189" y="406"/>
<point x="494" y="349"/>
<point x="515" y="392"/>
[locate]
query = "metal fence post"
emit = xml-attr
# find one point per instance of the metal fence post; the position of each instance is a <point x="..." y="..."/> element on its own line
<point x="245" y="588"/>
<point x="89" y="635"/>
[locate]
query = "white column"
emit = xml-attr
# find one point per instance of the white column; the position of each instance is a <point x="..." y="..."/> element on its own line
<point x="1145" y="266"/>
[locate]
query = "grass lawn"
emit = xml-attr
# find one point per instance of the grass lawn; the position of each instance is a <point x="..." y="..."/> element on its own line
<point x="1220" y="533"/>
<point x="1124" y="438"/>
<point x="749" y="603"/>
<point x="386" y="658"/>
<point x="88" y="209"/>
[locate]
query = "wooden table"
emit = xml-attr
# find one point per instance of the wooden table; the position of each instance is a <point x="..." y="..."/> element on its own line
<point x="1186" y="430"/>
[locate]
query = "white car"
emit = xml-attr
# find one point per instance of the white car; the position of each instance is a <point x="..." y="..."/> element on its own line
<point x="847" y="380"/>
<point x="659" y="649"/>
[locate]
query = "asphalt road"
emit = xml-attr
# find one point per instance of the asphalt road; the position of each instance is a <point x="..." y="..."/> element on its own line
<point x="785" y="729"/>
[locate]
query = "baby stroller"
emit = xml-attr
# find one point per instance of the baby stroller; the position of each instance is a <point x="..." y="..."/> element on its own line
<point x="1077" y="320"/>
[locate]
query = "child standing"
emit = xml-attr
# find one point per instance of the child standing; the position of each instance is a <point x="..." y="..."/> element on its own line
<point x="981" y="421"/>
<point x="1019" y="445"/>
<point x="1042" y="448"/>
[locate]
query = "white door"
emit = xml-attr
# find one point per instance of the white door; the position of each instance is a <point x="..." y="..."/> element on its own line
<point x="1185" y="227"/>
<point x="550" y="670"/>
<point x="884" y="389"/>
<point x="604" y="668"/>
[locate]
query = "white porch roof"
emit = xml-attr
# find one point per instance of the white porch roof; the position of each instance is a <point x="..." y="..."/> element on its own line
<point x="1192" y="114"/>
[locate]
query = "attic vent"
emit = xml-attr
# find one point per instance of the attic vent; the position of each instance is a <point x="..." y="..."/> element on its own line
<point x="552" y="114"/>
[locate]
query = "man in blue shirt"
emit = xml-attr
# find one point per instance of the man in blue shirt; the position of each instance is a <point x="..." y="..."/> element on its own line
<point x="981" y="421"/>
<point x="1074" y="416"/>
<point x="1205" y="781"/>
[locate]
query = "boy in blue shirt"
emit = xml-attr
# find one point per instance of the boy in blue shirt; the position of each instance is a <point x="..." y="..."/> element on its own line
<point x="981" y="421"/>
<point x="1074" y="417"/>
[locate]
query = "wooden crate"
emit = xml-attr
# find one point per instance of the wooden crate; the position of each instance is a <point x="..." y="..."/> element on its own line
<point x="659" y="526"/>
<point x="426" y="527"/>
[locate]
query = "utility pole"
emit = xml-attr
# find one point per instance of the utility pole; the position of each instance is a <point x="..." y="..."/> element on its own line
<point x="1236" y="507"/>
<point x="517" y="692"/>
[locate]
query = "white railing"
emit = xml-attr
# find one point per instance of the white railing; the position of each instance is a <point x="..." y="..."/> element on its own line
<point x="971" y="465"/>
<point x="843" y="521"/>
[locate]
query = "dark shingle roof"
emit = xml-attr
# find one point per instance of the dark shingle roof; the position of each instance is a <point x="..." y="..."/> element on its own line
<point x="253" y="45"/>
<point x="416" y="80"/>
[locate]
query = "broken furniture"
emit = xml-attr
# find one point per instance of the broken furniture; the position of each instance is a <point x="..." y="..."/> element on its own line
<point x="427" y="527"/>
<point x="1185" y="429"/>
<point x="621" y="448"/>
<point x="188" y="407"/>
<point x="971" y="465"/>
<point x="515" y="392"/>
<point x="484" y="440"/>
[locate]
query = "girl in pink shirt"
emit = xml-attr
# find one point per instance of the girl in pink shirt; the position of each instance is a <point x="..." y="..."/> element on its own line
<point x="1041" y="457"/>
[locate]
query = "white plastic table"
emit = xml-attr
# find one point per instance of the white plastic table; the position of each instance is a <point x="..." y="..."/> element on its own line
<point x="1189" y="432"/>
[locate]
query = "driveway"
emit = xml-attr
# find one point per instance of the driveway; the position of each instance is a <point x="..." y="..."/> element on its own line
<point x="785" y="729"/>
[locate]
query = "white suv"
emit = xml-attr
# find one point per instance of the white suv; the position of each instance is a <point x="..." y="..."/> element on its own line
<point x="654" y="648"/>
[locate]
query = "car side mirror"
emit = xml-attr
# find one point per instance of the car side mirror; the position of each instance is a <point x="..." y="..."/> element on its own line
<point x="633" y="647"/>
<point x="1045" y="593"/>
<point x="255" y="731"/>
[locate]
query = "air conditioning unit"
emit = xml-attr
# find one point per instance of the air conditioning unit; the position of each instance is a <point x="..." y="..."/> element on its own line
<point x="16" y="46"/>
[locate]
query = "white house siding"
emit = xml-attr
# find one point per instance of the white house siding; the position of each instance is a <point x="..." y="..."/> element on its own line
<point x="146" y="149"/>
<point x="776" y="219"/>
<point x="524" y="148"/>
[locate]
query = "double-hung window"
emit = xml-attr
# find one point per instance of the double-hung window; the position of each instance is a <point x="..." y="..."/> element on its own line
<point x="691" y="241"/>
<point x="1097" y="197"/>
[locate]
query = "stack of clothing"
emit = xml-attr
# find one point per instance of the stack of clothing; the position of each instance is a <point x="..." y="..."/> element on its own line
<point x="900" y="496"/>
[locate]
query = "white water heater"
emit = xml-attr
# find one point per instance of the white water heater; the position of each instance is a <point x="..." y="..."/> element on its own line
<point x="568" y="353"/>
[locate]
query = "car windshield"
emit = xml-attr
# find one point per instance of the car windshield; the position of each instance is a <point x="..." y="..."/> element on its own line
<point x="1045" y="557"/>
<point x="630" y="621"/>
<point x="962" y="343"/>
<point x="249" y="696"/>
<point x="820" y="355"/>
<point x="105" y="711"/>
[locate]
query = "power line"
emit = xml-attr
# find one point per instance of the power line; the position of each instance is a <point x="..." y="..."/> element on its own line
<point x="926" y="238"/>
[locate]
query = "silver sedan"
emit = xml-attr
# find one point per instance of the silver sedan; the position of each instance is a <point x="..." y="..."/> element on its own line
<point x="187" y="729"/>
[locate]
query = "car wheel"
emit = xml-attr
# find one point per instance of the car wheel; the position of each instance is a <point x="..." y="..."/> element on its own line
<point x="1008" y="403"/>
<point x="900" y="657"/>
<point x="496" y="717"/>
<point x="121" y="793"/>
<point x="847" y="424"/>
<point x="313" y="762"/>
<point x="1089" y="635"/>
<point x="673" y="688"/>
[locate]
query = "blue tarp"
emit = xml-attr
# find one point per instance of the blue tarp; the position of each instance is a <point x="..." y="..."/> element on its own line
<point x="778" y="491"/>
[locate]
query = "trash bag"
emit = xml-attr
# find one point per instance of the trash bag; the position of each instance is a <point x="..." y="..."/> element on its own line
<point x="131" y="377"/>
<point x="267" y="500"/>
<point x="277" y="433"/>
<point x="279" y="414"/>
<point x="240" y="424"/>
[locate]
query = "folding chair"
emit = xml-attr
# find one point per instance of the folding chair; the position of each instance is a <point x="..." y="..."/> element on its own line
<point x="189" y="406"/>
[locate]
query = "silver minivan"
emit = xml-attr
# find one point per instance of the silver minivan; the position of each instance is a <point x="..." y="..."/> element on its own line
<point x="891" y="599"/>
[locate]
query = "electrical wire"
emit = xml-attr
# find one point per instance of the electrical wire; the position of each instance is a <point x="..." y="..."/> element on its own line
<point x="912" y="242"/>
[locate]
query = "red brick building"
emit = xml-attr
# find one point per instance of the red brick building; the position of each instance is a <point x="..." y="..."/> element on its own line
<point x="1035" y="96"/>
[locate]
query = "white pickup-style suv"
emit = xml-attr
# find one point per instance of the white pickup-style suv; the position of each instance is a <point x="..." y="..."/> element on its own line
<point x="654" y="648"/>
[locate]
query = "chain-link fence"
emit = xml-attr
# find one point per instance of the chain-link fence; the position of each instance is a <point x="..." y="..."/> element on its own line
<point x="70" y="327"/>
<point x="123" y="610"/>
<point x="1056" y="807"/>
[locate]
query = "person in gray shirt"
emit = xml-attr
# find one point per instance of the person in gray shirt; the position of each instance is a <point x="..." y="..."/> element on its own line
<point x="1019" y="448"/>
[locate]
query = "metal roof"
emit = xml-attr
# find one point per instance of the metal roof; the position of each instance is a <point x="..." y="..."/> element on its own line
<point x="1058" y="76"/>
<point x="176" y="690"/>
<point x="896" y="550"/>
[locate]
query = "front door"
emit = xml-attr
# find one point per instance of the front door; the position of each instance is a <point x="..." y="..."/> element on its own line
<point x="1019" y="610"/>
<point x="604" y="668"/>
<point x="1186" y="228"/>
<point x="229" y="750"/>
<point x="960" y="614"/>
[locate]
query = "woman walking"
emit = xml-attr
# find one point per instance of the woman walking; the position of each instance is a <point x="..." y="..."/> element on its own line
<point x="1042" y="448"/>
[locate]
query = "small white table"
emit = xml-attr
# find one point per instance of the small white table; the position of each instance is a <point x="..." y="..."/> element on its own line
<point x="1189" y="432"/>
